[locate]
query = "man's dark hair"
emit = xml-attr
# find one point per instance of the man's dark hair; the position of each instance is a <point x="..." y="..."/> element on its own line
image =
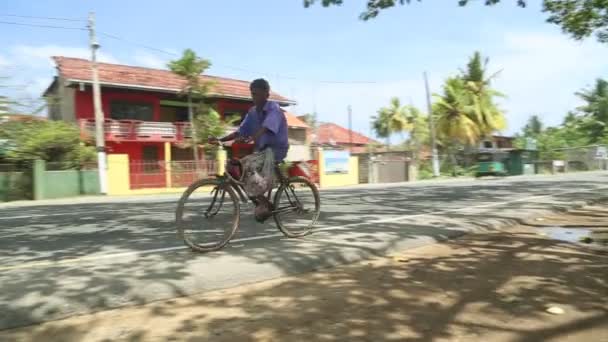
<point x="260" y="83"/>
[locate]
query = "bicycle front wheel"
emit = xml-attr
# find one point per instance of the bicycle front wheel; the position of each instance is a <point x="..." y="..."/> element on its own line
<point x="207" y="215"/>
<point x="297" y="207"/>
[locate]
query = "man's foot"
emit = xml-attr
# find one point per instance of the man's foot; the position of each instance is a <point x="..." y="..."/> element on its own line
<point x="263" y="211"/>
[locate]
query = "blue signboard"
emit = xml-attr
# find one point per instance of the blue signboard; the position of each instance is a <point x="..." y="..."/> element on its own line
<point x="336" y="162"/>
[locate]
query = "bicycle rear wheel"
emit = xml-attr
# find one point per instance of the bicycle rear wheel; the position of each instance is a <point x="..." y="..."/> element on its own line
<point x="297" y="207"/>
<point x="207" y="215"/>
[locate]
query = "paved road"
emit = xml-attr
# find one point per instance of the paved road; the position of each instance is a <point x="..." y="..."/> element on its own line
<point x="58" y="260"/>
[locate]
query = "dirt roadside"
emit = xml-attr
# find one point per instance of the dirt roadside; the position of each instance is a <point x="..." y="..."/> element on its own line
<point x="493" y="286"/>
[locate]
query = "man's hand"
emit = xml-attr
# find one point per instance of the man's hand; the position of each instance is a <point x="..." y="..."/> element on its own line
<point x="213" y="141"/>
<point x="242" y="139"/>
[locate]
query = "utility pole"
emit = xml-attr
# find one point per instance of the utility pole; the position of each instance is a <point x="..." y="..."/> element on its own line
<point x="99" y="118"/>
<point x="193" y="130"/>
<point x="350" y="128"/>
<point x="432" y="128"/>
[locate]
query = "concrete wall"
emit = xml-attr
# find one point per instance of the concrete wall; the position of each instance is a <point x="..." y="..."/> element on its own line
<point x="334" y="180"/>
<point x="298" y="153"/>
<point x="119" y="175"/>
<point x="39" y="183"/>
<point x="70" y="183"/>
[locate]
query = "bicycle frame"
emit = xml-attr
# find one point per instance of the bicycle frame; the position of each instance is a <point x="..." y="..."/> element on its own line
<point x="227" y="180"/>
<point x="237" y="185"/>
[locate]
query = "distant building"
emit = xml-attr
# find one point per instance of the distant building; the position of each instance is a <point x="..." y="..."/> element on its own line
<point x="497" y="142"/>
<point x="333" y="135"/>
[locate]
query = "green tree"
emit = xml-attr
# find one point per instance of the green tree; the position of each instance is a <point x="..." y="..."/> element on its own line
<point x="577" y="18"/>
<point x="419" y="131"/>
<point x="311" y="120"/>
<point x="595" y="111"/>
<point x="488" y="116"/>
<point x="455" y="114"/>
<point x="466" y="111"/>
<point x="533" y="127"/>
<point x="391" y="119"/>
<point x="52" y="141"/>
<point x="191" y="67"/>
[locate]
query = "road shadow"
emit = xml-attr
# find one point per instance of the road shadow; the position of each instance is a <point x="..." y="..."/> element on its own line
<point x="494" y="286"/>
<point x="54" y="290"/>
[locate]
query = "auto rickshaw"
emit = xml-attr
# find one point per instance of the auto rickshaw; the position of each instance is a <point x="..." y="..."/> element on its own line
<point x="490" y="164"/>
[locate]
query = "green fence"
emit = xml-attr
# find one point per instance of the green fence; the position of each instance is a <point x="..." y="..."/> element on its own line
<point x="37" y="182"/>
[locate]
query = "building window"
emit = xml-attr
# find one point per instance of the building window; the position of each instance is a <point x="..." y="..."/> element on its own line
<point x="487" y="144"/>
<point x="122" y="110"/>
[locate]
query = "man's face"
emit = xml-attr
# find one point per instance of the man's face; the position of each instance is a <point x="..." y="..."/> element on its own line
<point x="260" y="96"/>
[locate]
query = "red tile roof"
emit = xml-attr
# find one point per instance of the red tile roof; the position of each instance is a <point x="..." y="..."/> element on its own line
<point x="78" y="69"/>
<point x="330" y="133"/>
<point x="294" y="121"/>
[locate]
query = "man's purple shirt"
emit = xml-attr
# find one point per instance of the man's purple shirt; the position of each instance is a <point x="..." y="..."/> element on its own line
<point x="273" y="118"/>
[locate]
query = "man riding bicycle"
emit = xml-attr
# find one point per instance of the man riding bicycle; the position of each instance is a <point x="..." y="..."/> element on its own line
<point x="266" y="125"/>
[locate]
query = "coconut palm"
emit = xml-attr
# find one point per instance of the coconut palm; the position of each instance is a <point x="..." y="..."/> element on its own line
<point x="487" y="115"/>
<point x="455" y="114"/>
<point x="391" y="119"/>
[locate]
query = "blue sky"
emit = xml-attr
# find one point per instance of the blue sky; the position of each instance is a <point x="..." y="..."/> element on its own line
<point x="300" y="49"/>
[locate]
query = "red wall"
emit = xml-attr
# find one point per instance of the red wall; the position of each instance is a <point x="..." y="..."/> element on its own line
<point x="84" y="101"/>
<point x="134" y="149"/>
<point x="84" y="110"/>
<point x="224" y="105"/>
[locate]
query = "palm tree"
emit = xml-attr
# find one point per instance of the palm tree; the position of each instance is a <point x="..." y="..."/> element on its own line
<point x="487" y="115"/>
<point x="391" y="119"/>
<point x="595" y="110"/>
<point x="419" y="132"/>
<point x="191" y="67"/>
<point x="456" y="114"/>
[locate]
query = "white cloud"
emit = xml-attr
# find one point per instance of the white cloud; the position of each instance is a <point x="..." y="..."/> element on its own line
<point x="542" y="71"/>
<point x="540" y="74"/>
<point x="40" y="56"/>
<point x="148" y="60"/>
<point x="4" y="62"/>
<point x="32" y="66"/>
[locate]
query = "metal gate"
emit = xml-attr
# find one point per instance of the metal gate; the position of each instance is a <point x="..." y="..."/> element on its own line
<point x="389" y="171"/>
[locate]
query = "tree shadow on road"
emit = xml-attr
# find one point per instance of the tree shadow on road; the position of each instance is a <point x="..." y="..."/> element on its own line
<point x="31" y="294"/>
<point x="492" y="287"/>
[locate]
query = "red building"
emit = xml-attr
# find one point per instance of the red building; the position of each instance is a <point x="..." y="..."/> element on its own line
<point x="143" y="108"/>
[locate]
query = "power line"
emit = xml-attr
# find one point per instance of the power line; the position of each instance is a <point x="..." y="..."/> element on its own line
<point x="44" y="18"/>
<point x="42" y="26"/>
<point x="137" y="44"/>
<point x="115" y="37"/>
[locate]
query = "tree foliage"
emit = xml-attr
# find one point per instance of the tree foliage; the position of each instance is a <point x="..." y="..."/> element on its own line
<point x="191" y="67"/>
<point x="392" y="119"/>
<point x="455" y="114"/>
<point x="577" y="18"/>
<point x="52" y="141"/>
<point x="595" y="110"/>
<point x="205" y="120"/>
<point x="582" y="127"/>
<point x="534" y="127"/>
<point x="466" y="111"/>
<point x="311" y="120"/>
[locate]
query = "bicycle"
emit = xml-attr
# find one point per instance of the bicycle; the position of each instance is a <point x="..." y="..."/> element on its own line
<point x="227" y="188"/>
